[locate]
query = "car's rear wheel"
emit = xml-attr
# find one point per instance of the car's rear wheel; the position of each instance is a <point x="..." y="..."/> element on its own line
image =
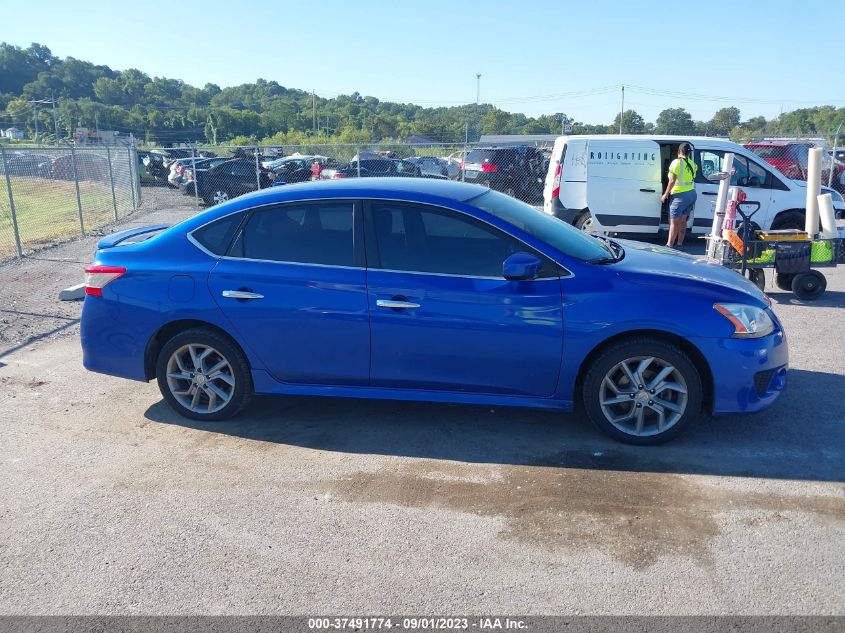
<point x="203" y="375"/>
<point x="642" y="391"/>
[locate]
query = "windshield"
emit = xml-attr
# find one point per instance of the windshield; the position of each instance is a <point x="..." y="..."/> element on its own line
<point x="557" y="233"/>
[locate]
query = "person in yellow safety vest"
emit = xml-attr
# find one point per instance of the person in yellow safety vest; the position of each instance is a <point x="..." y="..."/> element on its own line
<point x="681" y="193"/>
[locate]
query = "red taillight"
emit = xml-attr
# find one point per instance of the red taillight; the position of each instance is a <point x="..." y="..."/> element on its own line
<point x="98" y="277"/>
<point x="489" y="167"/>
<point x="556" y="181"/>
<point x="462" y="164"/>
<point x="339" y="174"/>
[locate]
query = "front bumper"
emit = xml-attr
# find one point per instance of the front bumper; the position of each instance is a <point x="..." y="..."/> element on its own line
<point x="748" y="374"/>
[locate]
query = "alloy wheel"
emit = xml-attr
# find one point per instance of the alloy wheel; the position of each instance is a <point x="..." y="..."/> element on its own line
<point x="643" y="396"/>
<point x="200" y="378"/>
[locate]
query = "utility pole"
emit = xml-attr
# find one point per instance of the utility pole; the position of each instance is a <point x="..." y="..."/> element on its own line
<point x="55" y="118"/>
<point x="314" y="110"/>
<point x="563" y="124"/>
<point x="35" y="114"/>
<point x="622" y="111"/>
<point x="477" y="101"/>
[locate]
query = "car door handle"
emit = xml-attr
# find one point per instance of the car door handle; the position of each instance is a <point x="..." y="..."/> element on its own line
<point x="241" y="294"/>
<point x="396" y="305"/>
<point x="709" y="193"/>
<point x="647" y="190"/>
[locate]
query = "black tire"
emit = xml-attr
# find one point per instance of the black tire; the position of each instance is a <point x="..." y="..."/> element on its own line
<point x="757" y="277"/>
<point x="242" y="390"/>
<point x="809" y="286"/>
<point x="784" y="281"/>
<point x="664" y="352"/>
<point x="581" y="220"/>
<point x="789" y="220"/>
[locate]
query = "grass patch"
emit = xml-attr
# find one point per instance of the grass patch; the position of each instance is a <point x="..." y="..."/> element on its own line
<point x="47" y="211"/>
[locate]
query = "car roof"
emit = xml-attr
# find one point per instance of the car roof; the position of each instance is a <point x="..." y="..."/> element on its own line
<point x="365" y="188"/>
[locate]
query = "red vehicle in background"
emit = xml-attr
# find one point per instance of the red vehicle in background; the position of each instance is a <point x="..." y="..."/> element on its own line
<point x="792" y="158"/>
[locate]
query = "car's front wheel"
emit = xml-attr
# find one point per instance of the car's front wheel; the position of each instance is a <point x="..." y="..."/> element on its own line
<point x="203" y="375"/>
<point x="642" y="391"/>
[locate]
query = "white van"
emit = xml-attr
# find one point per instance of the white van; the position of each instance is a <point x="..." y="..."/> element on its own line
<point x="613" y="184"/>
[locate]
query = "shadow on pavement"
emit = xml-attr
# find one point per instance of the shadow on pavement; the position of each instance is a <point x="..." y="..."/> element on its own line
<point x="801" y="437"/>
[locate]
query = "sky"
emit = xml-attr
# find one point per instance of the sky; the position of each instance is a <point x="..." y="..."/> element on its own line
<point x="535" y="57"/>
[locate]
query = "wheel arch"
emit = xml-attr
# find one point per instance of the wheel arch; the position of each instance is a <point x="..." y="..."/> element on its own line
<point x="695" y="355"/>
<point x="171" y="329"/>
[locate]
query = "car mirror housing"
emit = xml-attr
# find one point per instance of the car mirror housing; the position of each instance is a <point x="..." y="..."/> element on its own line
<point x="521" y="267"/>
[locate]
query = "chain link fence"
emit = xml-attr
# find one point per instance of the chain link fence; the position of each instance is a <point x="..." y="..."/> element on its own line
<point x="212" y="174"/>
<point x="790" y="155"/>
<point x="51" y="194"/>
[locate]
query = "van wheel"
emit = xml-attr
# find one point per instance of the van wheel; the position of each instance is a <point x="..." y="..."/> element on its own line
<point x="585" y="222"/>
<point x="789" y="220"/>
<point x="642" y="391"/>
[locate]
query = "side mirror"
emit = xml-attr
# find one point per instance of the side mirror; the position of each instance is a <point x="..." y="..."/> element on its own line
<point x="521" y="267"/>
<point x="718" y="175"/>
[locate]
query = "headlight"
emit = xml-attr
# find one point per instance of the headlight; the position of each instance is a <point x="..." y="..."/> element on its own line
<point x="748" y="321"/>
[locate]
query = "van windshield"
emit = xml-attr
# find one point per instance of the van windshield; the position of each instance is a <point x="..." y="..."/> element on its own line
<point x="554" y="232"/>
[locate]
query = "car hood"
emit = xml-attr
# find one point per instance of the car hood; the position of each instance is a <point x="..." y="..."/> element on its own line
<point x="651" y="264"/>
<point x="837" y="197"/>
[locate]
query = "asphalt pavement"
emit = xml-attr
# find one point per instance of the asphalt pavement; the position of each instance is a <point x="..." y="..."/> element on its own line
<point x="113" y="504"/>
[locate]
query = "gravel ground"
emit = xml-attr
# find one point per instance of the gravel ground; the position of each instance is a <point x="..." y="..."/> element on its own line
<point x="111" y="504"/>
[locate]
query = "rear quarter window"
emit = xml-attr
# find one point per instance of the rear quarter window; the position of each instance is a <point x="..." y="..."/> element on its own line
<point x="216" y="237"/>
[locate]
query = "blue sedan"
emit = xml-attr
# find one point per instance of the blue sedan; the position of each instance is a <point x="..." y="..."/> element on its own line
<point x="413" y="289"/>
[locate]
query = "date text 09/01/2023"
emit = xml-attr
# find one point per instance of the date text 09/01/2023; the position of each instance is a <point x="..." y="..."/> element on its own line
<point x="416" y="623"/>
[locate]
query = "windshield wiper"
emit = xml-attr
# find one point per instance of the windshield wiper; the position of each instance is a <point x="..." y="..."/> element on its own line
<point x="616" y="251"/>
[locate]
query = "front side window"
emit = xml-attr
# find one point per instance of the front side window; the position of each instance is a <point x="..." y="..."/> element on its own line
<point x="312" y="233"/>
<point x="746" y="173"/>
<point x="546" y="228"/>
<point x="417" y="238"/>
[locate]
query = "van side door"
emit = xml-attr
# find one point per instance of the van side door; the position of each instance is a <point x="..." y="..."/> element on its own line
<point x="624" y="186"/>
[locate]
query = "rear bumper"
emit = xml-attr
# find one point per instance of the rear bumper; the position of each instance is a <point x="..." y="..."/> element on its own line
<point x="108" y="346"/>
<point x="748" y="374"/>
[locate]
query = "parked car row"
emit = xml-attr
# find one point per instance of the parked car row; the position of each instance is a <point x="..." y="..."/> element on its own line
<point x="792" y="160"/>
<point x="88" y="165"/>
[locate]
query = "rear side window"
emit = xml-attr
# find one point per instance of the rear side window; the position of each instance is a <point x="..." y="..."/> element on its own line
<point x="217" y="236"/>
<point x="241" y="169"/>
<point x="299" y="233"/>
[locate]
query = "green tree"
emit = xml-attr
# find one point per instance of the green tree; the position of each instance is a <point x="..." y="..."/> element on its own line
<point x="676" y="121"/>
<point x="632" y="123"/>
<point x="724" y="121"/>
